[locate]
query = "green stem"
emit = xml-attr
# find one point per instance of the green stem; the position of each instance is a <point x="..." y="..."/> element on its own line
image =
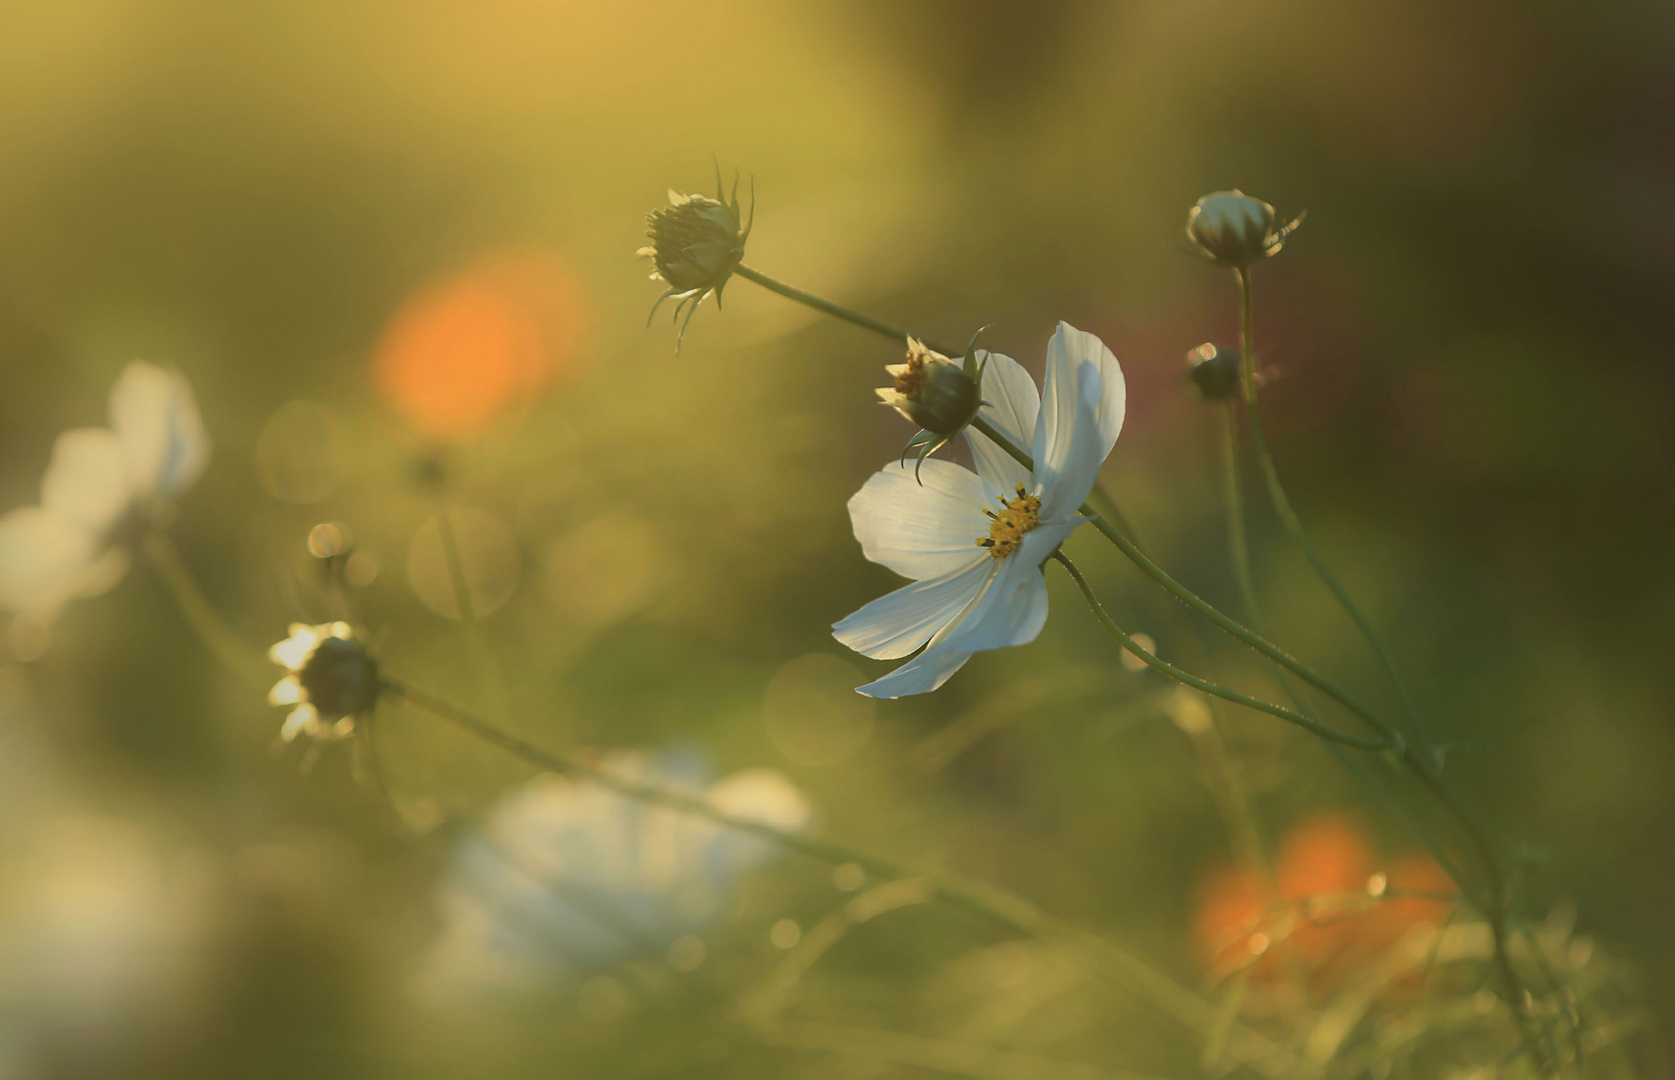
<point x="1204" y="685"/>
<point x="1294" y="525"/>
<point x="456" y="564"/>
<point x="1238" y="545"/>
<point x="1495" y="911"/>
<point x="200" y="615"/>
<point x="820" y="303"/>
<point x="1422" y="762"/>
<point x="1389" y="737"/>
<point x="996" y="904"/>
<point x="1239" y="551"/>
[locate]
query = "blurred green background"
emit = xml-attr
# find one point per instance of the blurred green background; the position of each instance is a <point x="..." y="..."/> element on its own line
<point x="1472" y="408"/>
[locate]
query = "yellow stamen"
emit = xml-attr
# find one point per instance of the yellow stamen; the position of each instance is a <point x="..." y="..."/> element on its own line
<point x="1017" y="517"/>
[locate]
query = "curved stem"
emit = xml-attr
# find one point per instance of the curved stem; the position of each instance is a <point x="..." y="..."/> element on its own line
<point x="1388" y="735"/>
<point x="1294" y="525"/>
<point x="1421" y="762"/>
<point x="1238" y="545"/>
<point x="200" y="614"/>
<point x="1204" y="685"/>
<point x="998" y="905"/>
<point x="1495" y="911"/>
<point x="1239" y="550"/>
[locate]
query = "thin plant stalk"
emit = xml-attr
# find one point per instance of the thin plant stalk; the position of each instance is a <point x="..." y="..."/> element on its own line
<point x="200" y="614"/>
<point x="1204" y="685"/>
<point x="1389" y="737"/>
<point x="995" y="904"/>
<point x="1293" y="524"/>
<point x="1421" y="762"/>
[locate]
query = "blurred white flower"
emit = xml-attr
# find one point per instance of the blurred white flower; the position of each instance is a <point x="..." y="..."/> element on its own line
<point x="330" y="680"/>
<point x="105" y="918"/>
<point x="568" y="876"/>
<point x="976" y="566"/>
<point x="99" y="484"/>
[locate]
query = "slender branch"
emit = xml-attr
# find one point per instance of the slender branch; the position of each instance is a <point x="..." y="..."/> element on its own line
<point x="998" y="905"/>
<point x="1204" y="685"/>
<point x="1294" y="525"/>
<point x="1387" y="734"/>
<point x="1422" y="762"/>
<point x="200" y="614"/>
<point x="820" y="303"/>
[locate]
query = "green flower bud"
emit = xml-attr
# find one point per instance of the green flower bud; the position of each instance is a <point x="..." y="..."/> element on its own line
<point x="696" y="244"/>
<point x="1215" y="374"/>
<point x="1234" y="229"/>
<point x="932" y="391"/>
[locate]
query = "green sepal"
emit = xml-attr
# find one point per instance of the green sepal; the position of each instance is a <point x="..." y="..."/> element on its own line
<point x="929" y="442"/>
<point x="970" y="366"/>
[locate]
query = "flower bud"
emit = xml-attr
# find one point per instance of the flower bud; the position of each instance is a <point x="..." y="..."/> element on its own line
<point x="1235" y="229"/>
<point x="1215" y="373"/>
<point x="932" y="391"/>
<point x="696" y="244"/>
<point x="330" y="680"/>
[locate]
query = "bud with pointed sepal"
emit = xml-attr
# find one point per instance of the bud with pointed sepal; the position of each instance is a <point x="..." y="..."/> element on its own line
<point x="696" y="244"/>
<point x="1235" y="230"/>
<point x="932" y="391"/>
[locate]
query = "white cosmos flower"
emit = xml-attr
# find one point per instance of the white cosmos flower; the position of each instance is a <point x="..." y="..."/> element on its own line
<point x="973" y="543"/>
<point x="568" y="876"/>
<point x="96" y="482"/>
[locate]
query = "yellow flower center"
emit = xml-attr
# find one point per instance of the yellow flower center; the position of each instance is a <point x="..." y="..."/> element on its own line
<point x="1007" y="528"/>
<point x="911" y="375"/>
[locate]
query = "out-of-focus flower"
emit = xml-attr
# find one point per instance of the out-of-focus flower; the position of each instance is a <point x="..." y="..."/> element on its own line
<point x="464" y="352"/>
<point x="1337" y="906"/>
<point x="1235" y="229"/>
<point x="931" y="391"/>
<point x="696" y="244"/>
<point x="102" y="487"/>
<point x="1214" y="372"/>
<point x="568" y="876"/>
<point x="977" y="568"/>
<point x="330" y="681"/>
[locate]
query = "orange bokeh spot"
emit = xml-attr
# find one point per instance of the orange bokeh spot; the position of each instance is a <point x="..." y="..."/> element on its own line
<point x="459" y="354"/>
<point x="1323" y="919"/>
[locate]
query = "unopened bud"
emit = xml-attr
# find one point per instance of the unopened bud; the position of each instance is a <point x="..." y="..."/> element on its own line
<point x="1215" y="373"/>
<point x="1235" y="229"/>
<point x="932" y="391"/>
<point x="696" y="244"/>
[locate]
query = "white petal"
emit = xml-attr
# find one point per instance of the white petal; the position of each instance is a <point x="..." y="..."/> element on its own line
<point x="897" y="623"/>
<point x="1014" y="608"/>
<point x="920" y="531"/>
<point x="303" y="718"/>
<point x="86" y="482"/>
<point x="287" y="691"/>
<point x="295" y="649"/>
<point x="1011" y="405"/>
<point x="163" y="438"/>
<point x="45" y="561"/>
<point x="924" y="673"/>
<point x="1080" y="347"/>
<point x="1069" y="445"/>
